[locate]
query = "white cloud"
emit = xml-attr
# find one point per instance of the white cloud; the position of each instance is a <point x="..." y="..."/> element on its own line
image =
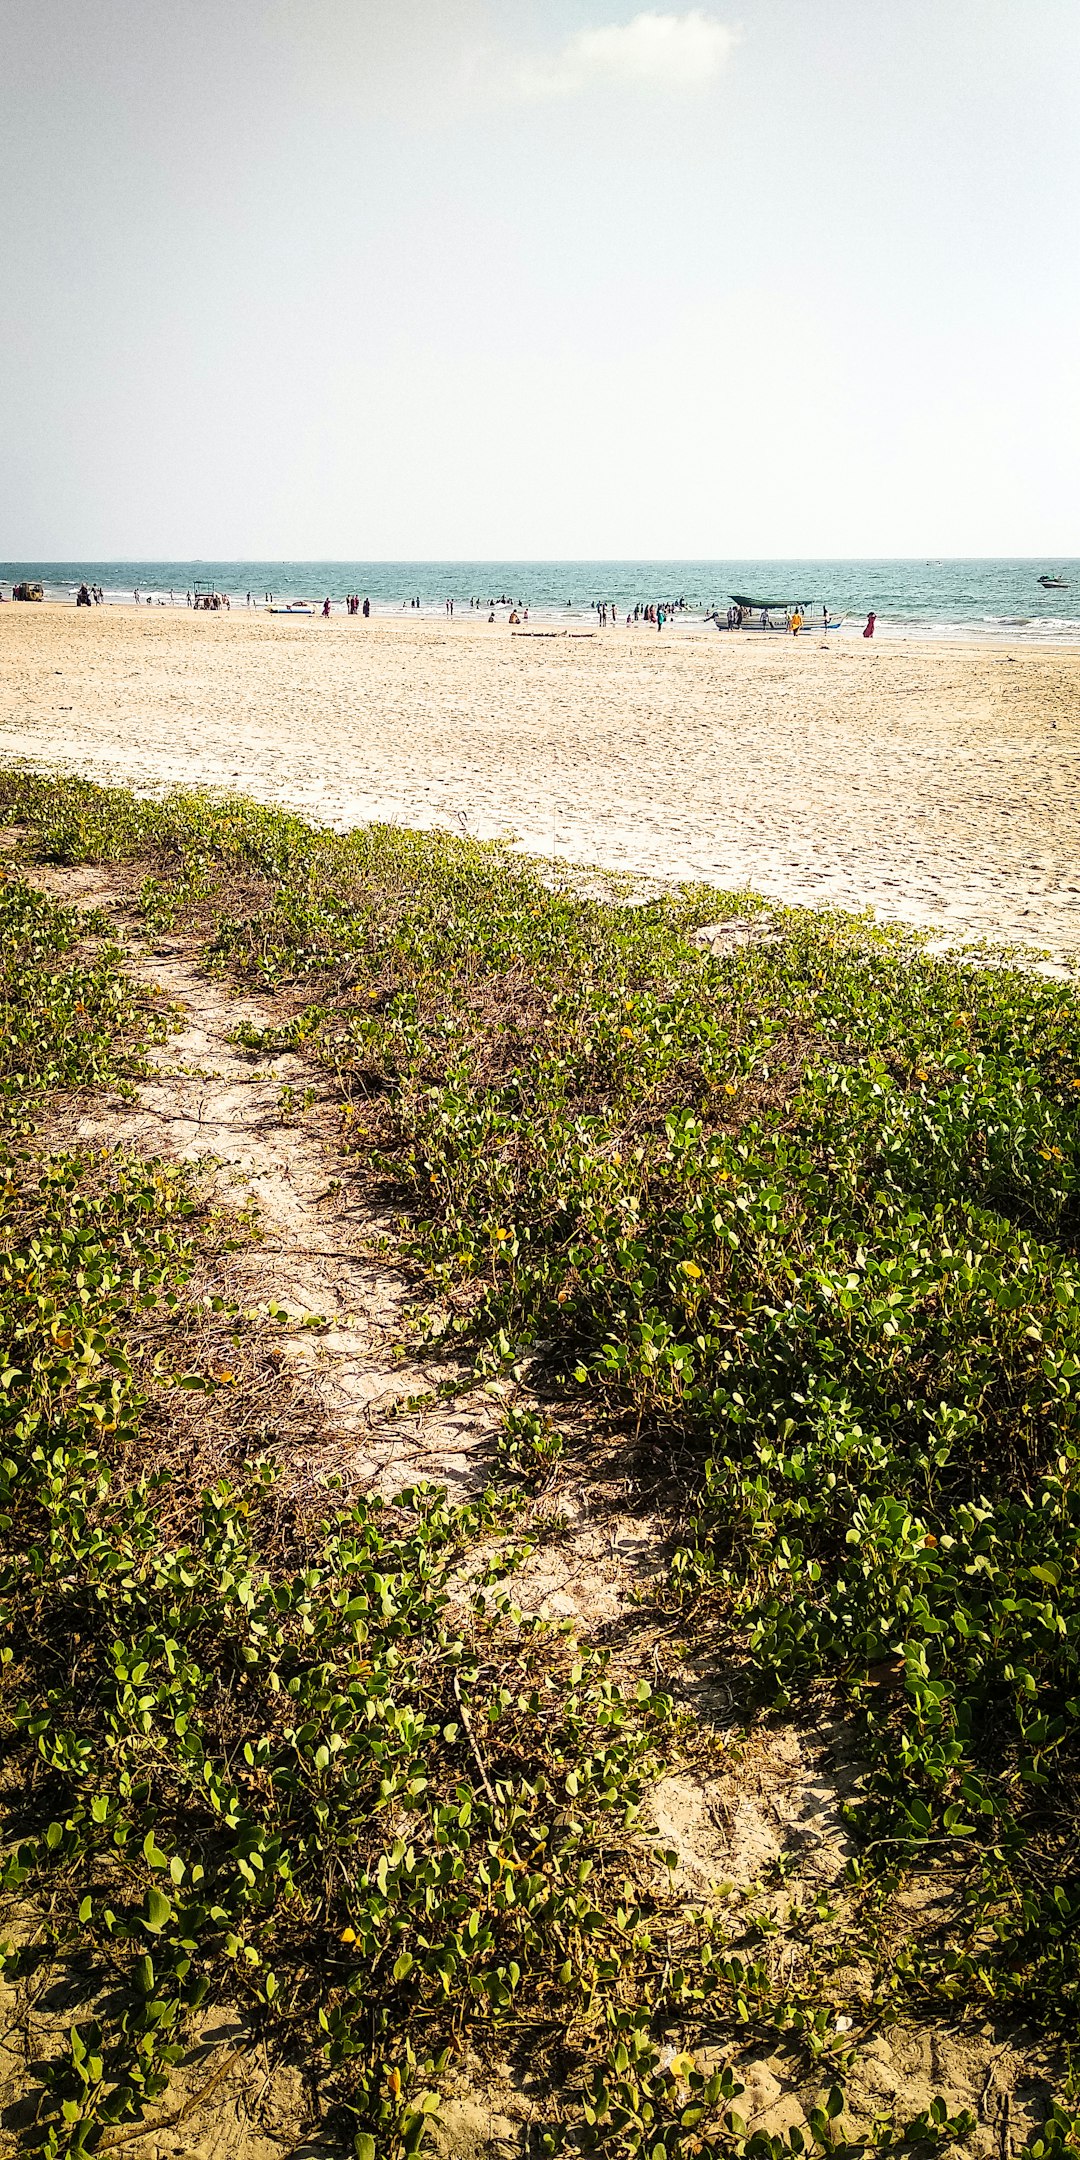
<point x="667" y="52"/>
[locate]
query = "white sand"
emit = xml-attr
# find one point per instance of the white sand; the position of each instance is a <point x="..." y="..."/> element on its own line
<point x="936" y="784"/>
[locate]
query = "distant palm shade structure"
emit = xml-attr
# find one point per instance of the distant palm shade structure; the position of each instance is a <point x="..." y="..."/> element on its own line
<point x="1007" y="599"/>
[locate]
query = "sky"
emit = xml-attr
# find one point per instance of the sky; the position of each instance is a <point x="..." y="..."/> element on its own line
<point x="450" y="279"/>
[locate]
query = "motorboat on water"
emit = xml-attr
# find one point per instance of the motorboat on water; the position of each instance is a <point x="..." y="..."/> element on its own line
<point x="1054" y="582"/>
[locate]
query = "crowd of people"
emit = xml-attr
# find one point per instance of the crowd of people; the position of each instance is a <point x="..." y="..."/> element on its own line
<point x="654" y="614"/>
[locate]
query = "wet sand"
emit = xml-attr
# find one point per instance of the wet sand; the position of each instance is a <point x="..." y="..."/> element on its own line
<point x="936" y="784"/>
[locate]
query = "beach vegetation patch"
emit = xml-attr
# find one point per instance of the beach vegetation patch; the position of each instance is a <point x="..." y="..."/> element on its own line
<point x="795" y="1226"/>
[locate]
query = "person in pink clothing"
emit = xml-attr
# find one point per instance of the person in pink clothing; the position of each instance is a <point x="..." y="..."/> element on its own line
<point x="870" y="621"/>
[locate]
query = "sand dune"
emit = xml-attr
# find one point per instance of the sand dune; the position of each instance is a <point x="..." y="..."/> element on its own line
<point x="936" y="784"/>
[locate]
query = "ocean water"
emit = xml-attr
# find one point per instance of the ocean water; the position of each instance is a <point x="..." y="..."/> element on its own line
<point x="992" y="600"/>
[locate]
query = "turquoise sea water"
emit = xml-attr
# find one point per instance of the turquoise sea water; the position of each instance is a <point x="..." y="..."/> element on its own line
<point x="998" y="600"/>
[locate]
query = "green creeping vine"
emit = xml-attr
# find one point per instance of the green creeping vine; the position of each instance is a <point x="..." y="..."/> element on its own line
<point x="64" y="1023"/>
<point x="803" y="1219"/>
<point x="307" y="1785"/>
<point x="262" y="1778"/>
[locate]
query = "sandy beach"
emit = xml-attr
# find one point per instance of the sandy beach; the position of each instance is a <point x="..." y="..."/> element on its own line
<point x="938" y="785"/>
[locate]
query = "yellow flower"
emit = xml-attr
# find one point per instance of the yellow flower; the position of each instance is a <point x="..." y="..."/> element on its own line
<point x="348" y="1935"/>
<point x="502" y="1236"/>
<point x="690" y="1267"/>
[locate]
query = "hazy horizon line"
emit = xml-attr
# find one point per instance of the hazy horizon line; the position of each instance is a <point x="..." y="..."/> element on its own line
<point x="451" y="561"/>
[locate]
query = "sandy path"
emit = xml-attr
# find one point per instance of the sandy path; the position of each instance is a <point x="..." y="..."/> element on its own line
<point x="937" y="784"/>
<point x="381" y="1422"/>
<point x="210" y="1101"/>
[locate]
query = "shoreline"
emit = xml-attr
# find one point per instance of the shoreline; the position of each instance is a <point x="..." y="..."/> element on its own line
<point x="936" y="783"/>
<point x="579" y="623"/>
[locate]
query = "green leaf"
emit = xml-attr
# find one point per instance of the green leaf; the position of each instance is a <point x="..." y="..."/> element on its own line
<point x="158" y="1910"/>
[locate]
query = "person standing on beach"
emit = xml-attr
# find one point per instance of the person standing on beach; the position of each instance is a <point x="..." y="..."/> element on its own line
<point x="326" y="607"/>
<point x="367" y="609"/>
<point x="870" y="621"/>
<point x="796" y="622"/>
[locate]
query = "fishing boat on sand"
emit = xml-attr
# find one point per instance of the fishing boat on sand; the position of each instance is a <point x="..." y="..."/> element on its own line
<point x="777" y="614"/>
<point x="290" y="607"/>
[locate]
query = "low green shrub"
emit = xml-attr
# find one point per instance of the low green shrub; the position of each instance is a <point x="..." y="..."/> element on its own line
<point x="801" y="1224"/>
